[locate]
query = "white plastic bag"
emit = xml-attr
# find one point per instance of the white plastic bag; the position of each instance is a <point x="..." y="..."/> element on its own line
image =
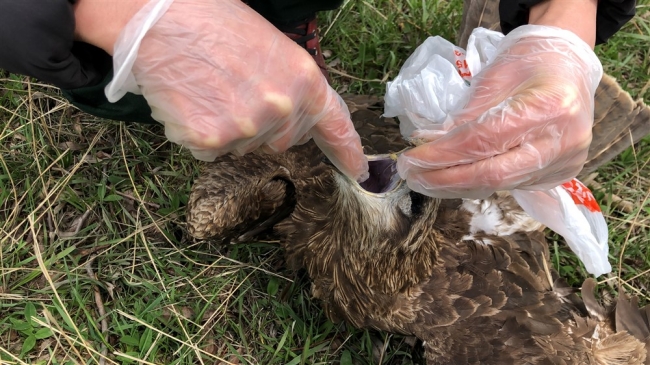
<point x="418" y="96"/>
<point x="572" y="212"/>
<point x="435" y="80"/>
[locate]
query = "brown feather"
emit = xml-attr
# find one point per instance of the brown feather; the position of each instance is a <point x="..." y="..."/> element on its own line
<point x="227" y="202"/>
<point x="619" y="122"/>
<point x="629" y="318"/>
<point x="633" y="320"/>
<point x="594" y="308"/>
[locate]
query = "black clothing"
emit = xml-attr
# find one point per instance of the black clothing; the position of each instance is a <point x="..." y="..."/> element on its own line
<point x="37" y="40"/>
<point x="288" y="11"/>
<point x="611" y="16"/>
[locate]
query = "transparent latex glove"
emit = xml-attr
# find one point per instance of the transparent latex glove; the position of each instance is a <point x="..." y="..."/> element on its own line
<point x="527" y="124"/>
<point x="222" y="79"/>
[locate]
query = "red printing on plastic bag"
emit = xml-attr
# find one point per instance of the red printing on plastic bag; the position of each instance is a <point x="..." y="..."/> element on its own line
<point x="461" y="65"/>
<point x="581" y="195"/>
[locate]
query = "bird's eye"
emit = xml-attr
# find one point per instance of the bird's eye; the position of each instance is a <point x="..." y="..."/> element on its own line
<point x="411" y="204"/>
<point x="417" y="200"/>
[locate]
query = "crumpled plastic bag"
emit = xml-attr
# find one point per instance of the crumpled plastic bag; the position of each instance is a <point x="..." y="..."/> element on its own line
<point x="435" y="80"/>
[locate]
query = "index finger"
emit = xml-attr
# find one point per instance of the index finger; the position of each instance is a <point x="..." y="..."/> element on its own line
<point x="516" y="121"/>
<point x="335" y="135"/>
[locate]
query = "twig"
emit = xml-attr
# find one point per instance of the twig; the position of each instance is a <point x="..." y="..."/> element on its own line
<point x="131" y="197"/>
<point x="79" y="222"/>
<point x="100" y="309"/>
<point x="617" y="201"/>
<point x="341" y="73"/>
<point x="335" y="18"/>
<point x="92" y="250"/>
<point x="375" y="10"/>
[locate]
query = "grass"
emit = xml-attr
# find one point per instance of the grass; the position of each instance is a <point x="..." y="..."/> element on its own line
<point x="95" y="266"/>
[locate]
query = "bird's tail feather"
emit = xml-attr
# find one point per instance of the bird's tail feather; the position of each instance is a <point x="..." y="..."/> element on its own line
<point x="629" y="340"/>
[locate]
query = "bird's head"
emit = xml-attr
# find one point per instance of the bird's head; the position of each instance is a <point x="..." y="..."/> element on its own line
<point x="382" y="207"/>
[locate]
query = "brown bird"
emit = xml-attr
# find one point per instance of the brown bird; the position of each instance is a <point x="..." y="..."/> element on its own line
<point x="470" y="278"/>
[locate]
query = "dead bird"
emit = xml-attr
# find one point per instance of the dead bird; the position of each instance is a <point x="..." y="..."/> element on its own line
<point x="470" y="278"/>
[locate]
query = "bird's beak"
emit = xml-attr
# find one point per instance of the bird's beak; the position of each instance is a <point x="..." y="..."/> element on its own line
<point x="383" y="177"/>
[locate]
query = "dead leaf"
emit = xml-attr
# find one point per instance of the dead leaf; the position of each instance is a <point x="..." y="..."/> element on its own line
<point x="211" y="347"/>
<point x="378" y="350"/>
<point x="19" y="137"/>
<point x="38" y="95"/>
<point x="335" y="344"/>
<point x="335" y="62"/>
<point x="187" y="312"/>
<point x="45" y="344"/>
<point x="234" y="359"/>
<point x="110" y="288"/>
<point x="76" y="125"/>
<point x="103" y="155"/>
<point x="90" y="159"/>
<point x="411" y="341"/>
<point x="72" y="146"/>
<point x="76" y="225"/>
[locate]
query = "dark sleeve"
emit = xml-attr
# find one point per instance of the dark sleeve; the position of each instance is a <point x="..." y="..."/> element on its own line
<point x="37" y="40"/>
<point x="611" y="16"/>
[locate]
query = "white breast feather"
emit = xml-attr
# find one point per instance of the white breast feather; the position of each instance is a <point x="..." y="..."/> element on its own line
<point x="492" y="216"/>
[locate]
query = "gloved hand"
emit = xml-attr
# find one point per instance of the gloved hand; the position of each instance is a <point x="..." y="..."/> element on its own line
<point x="223" y="79"/>
<point x="527" y="124"/>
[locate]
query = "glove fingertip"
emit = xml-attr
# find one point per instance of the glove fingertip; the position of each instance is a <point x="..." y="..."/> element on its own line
<point x="350" y="160"/>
